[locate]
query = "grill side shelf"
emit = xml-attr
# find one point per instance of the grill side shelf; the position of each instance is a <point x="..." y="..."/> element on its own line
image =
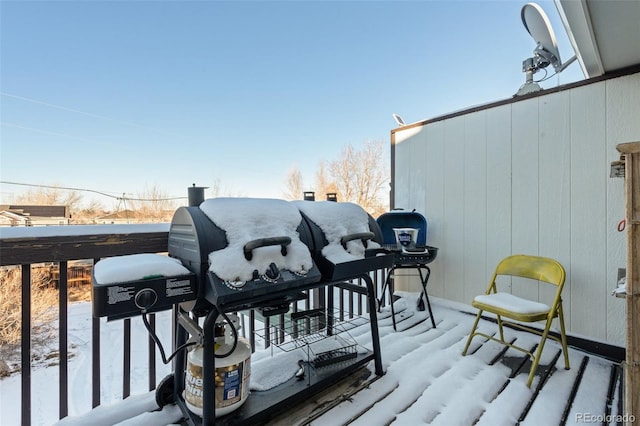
<point x="345" y="271"/>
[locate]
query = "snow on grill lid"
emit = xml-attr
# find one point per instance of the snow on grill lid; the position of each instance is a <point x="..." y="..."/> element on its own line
<point x="248" y="219"/>
<point x="337" y="220"/>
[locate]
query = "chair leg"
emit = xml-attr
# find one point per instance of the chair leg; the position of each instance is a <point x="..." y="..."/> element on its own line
<point x="563" y="337"/>
<point x="536" y="359"/>
<point x="471" y="334"/>
<point x="501" y="329"/>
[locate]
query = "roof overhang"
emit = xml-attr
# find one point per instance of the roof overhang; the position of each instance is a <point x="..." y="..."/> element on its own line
<point x="605" y="34"/>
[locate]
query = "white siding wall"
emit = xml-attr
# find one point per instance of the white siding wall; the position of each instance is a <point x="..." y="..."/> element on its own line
<point x="527" y="177"/>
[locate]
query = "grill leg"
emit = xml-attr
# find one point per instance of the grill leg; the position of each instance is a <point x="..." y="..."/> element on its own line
<point x="179" y="362"/>
<point x="424" y="280"/>
<point x="208" y="369"/>
<point x="388" y="283"/>
<point x="373" y="320"/>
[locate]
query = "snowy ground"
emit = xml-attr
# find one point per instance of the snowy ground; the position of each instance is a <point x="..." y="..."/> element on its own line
<point x="427" y="381"/>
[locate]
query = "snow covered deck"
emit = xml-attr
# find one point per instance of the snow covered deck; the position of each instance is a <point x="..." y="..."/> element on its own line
<point x="427" y="381"/>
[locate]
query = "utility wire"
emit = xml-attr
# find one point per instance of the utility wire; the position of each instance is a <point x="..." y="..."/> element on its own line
<point x="88" y="114"/>
<point x="121" y="198"/>
<point x="47" y="132"/>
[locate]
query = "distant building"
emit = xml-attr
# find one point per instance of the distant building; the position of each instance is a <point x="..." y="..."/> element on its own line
<point x="25" y="215"/>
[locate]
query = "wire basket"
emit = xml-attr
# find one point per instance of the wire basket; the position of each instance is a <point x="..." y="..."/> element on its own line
<point x="325" y="340"/>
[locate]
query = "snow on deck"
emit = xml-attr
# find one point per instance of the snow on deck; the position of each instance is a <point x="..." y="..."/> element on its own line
<point x="429" y="382"/>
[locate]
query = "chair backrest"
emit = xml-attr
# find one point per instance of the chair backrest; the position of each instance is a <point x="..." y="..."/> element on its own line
<point x="534" y="267"/>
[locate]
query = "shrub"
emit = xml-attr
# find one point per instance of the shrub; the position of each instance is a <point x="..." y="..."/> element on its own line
<point x="44" y="299"/>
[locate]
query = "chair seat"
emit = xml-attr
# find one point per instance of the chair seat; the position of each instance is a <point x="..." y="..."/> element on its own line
<point x="507" y="302"/>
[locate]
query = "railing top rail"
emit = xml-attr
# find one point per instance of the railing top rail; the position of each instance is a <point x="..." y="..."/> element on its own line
<point x="26" y="245"/>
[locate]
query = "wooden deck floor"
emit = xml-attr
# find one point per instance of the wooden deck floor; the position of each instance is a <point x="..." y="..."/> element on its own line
<point x="427" y="381"/>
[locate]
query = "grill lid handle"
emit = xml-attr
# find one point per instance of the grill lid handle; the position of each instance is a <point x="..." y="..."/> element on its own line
<point x="364" y="236"/>
<point x="263" y="242"/>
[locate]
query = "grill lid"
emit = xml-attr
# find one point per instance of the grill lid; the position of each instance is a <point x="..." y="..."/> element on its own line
<point x="259" y="233"/>
<point x="346" y="229"/>
<point x="345" y="239"/>
<point x="402" y="219"/>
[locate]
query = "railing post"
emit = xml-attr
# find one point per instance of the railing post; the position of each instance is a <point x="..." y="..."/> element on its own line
<point x="62" y="340"/>
<point x="26" y="346"/>
<point x="126" y="361"/>
<point x="152" y="354"/>
<point x="95" y="362"/>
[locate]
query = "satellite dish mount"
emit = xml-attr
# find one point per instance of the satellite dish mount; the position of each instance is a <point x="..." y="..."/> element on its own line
<point x="546" y="51"/>
<point x="398" y="119"/>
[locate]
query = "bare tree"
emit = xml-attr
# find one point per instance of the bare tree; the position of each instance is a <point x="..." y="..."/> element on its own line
<point x="153" y="203"/>
<point x="89" y="212"/>
<point x="361" y="177"/>
<point x="50" y="196"/>
<point x="324" y="183"/>
<point x="294" y="184"/>
<point x="216" y="188"/>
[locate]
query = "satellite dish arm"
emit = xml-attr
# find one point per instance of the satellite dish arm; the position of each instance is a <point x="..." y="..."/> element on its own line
<point x="566" y="64"/>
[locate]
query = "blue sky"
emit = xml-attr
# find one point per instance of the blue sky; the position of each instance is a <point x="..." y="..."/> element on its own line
<point x="119" y="96"/>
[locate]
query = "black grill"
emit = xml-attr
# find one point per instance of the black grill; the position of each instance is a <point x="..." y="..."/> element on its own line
<point x="414" y="257"/>
<point x="265" y="263"/>
<point x="193" y="237"/>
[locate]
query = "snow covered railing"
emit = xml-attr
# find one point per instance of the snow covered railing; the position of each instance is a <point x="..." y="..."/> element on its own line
<point x="23" y="247"/>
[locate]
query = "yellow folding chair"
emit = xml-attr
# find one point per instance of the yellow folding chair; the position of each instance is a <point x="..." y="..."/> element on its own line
<point x="514" y="308"/>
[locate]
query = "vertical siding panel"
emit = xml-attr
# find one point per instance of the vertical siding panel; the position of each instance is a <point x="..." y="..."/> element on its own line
<point x="589" y="172"/>
<point x="453" y="209"/>
<point x="622" y="125"/>
<point x="475" y="202"/>
<point x="417" y="176"/>
<point x="498" y="189"/>
<point x="547" y="192"/>
<point x="402" y="182"/>
<point x="415" y="199"/>
<point x="434" y="203"/>
<point x="525" y="181"/>
<point x="555" y="185"/>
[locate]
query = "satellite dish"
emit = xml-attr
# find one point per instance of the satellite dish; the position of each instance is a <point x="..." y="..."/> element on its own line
<point x="538" y="25"/>
<point x="398" y="119"/>
<point x="546" y="51"/>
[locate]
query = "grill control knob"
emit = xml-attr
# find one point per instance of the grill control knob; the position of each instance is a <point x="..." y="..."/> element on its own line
<point x="272" y="272"/>
<point x="145" y="298"/>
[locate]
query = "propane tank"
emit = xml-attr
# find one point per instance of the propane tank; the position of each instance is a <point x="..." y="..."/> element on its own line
<point x="232" y="372"/>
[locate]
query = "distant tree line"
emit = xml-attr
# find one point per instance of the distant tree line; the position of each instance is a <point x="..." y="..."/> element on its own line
<point x="359" y="176"/>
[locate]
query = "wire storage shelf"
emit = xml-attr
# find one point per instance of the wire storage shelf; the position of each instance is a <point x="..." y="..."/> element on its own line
<point x="324" y="339"/>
